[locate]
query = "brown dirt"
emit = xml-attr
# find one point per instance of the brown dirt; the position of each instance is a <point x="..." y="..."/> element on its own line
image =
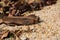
<point x="48" y="29"/>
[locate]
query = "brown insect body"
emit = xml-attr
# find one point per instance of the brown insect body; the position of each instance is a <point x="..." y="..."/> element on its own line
<point x="21" y="20"/>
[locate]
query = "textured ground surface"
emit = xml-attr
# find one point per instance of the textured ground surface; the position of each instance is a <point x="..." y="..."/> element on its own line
<point x="49" y="29"/>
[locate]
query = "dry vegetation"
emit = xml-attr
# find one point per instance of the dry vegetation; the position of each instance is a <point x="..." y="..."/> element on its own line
<point x="47" y="29"/>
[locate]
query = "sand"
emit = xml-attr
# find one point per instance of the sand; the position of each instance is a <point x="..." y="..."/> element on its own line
<point x="48" y="29"/>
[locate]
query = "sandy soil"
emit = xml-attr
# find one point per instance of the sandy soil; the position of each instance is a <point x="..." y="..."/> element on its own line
<point x="48" y="29"/>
